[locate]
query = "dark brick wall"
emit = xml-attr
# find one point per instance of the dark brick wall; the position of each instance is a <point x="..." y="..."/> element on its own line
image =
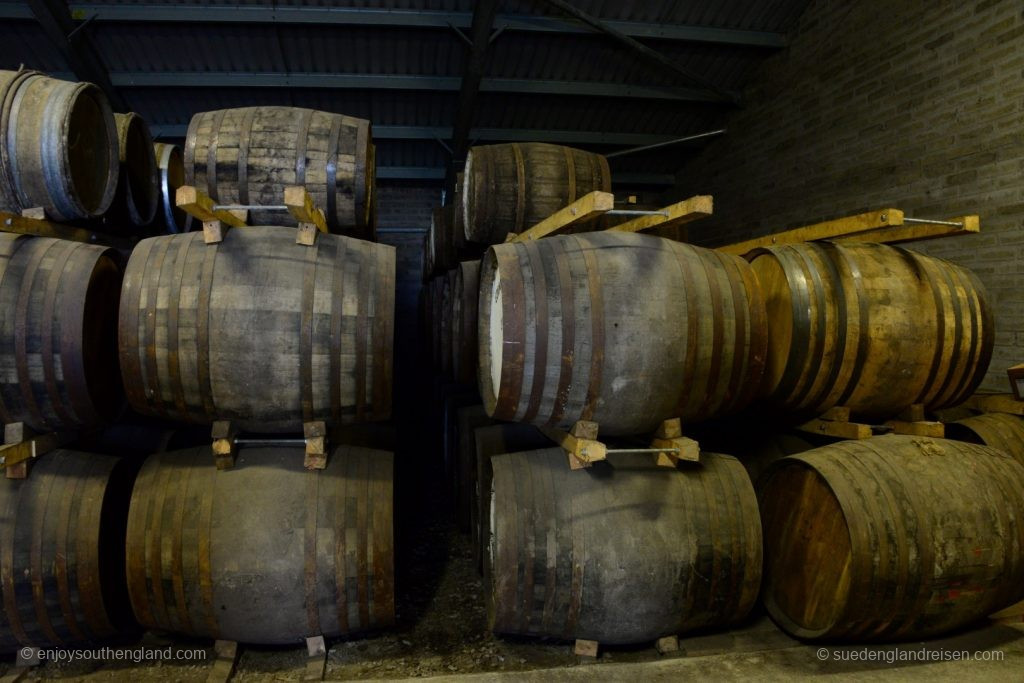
<point x="917" y="105"/>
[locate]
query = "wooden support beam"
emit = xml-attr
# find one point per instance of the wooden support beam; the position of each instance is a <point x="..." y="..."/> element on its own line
<point x="586" y="208"/>
<point x="995" y="403"/>
<point x="225" y="654"/>
<point x="679" y="213"/>
<point x="21" y="447"/>
<point x="26" y="225"/>
<point x="914" y="232"/>
<point x="580" y="444"/>
<point x="300" y="204"/>
<point x="199" y="205"/>
<point x="835" y="422"/>
<point x="225" y="450"/>
<point x="315" y="434"/>
<point x="316" y="665"/>
<point x="670" y="435"/>
<point x="840" y="227"/>
<point x="586" y="648"/>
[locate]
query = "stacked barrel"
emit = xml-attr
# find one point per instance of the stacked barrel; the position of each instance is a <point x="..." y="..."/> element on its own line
<point x="621" y="329"/>
<point x="262" y="332"/>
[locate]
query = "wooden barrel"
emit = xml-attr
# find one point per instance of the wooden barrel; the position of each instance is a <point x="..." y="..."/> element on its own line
<point x="891" y="538"/>
<point x="870" y="327"/>
<point x="258" y="329"/>
<point x="458" y="218"/>
<point x="249" y="155"/>
<point x="442" y="242"/>
<point x="491" y="440"/>
<point x="62" y="575"/>
<point x="172" y="176"/>
<point x="266" y="552"/>
<point x="58" y="351"/>
<point x="138" y="192"/>
<point x="511" y="187"/>
<point x="436" y="302"/>
<point x="464" y="322"/>
<point x="620" y="554"/>
<point x="623" y="329"/>
<point x="995" y="430"/>
<point x="58" y="147"/>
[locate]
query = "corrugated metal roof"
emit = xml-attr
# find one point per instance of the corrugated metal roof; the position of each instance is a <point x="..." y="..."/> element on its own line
<point x="189" y="50"/>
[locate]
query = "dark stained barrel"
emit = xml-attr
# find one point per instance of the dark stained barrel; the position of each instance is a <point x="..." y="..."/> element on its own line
<point x="511" y="187"/>
<point x="491" y="440"/>
<point x="995" y="430"/>
<point x="58" y="146"/>
<point x="436" y="308"/>
<point x="62" y="577"/>
<point x="266" y="552"/>
<point x="466" y="292"/>
<point x="871" y="327"/>
<point x="467" y="420"/>
<point x="138" y="192"/>
<point x="442" y="255"/>
<point x="249" y="155"/>
<point x="259" y="330"/>
<point x="891" y="538"/>
<point x="620" y="553"/>
<point x="445" y="322"/>
<point x="172" y="176"/>
<point x="58" y="350"/>
<point x="458" y="217"/>
<point x="623" y="329"/>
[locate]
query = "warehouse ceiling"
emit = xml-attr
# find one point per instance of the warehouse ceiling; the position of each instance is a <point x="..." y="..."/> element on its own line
<point x="432" y="76"/>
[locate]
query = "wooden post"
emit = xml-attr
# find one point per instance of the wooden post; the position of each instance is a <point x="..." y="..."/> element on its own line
<point x="586" y="648"/>
<point x="316" y="666"/>
<point x="226" y="658"/>
<point x="581" y="444"/>
<point x="223" y="434"/>
<point x="316" y="445"/>
<point x="670" y="435"/>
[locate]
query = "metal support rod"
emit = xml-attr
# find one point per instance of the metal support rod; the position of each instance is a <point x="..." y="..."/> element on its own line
<point x="622" y="451"/>
<point x="931" y="222"/>
<point x="249" y="207"/>
<point x="269" y="441"/>
<point x="635" y="212"/>
<point x="657" y="145"/>
<point x="640" y="48"/>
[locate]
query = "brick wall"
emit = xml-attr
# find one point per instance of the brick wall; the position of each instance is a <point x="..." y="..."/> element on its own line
<point x="917" y="105"/>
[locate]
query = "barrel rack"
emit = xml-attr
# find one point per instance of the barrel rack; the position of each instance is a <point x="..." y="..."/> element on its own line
<point x="217" y="219"/>
<point x="581" y="443"/>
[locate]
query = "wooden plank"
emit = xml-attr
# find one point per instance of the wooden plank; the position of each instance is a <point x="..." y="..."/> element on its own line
<point x="22" y="225"/>
<point x="585" y="648"/>
<point x="995" y="403"/>
<point x="935" y="430"/>
<point x="840" y="227"/>
<point x="913" y="232"/>
<point x="300" y="204"/>
<point x="840" y="430"/>
<point x="586" y="208"/>
<point x="14" y="454"/>
<point x="679" y="213"/>
<point x="198" y="204"/>
<point x="226" y="653"/>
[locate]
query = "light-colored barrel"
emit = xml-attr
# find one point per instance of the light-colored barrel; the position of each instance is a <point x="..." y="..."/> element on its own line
<point x="891" y="538"/>
<point x="58" y="147"/>
<point x="62" y="579"/>
<point x="871" y="327"/>
<point x="249" y="155"/>
<point x="58" y="349"/>
<point x="510" y="187"/>
<point x="995" y="430"/>
<point x="620" y="328"/>
<point x="620" y="554"/>
<point x="172" y="176"/>
<point x="259" y="330"/>
<point x="266" y="552"/>
<point x="138" y="192"/>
